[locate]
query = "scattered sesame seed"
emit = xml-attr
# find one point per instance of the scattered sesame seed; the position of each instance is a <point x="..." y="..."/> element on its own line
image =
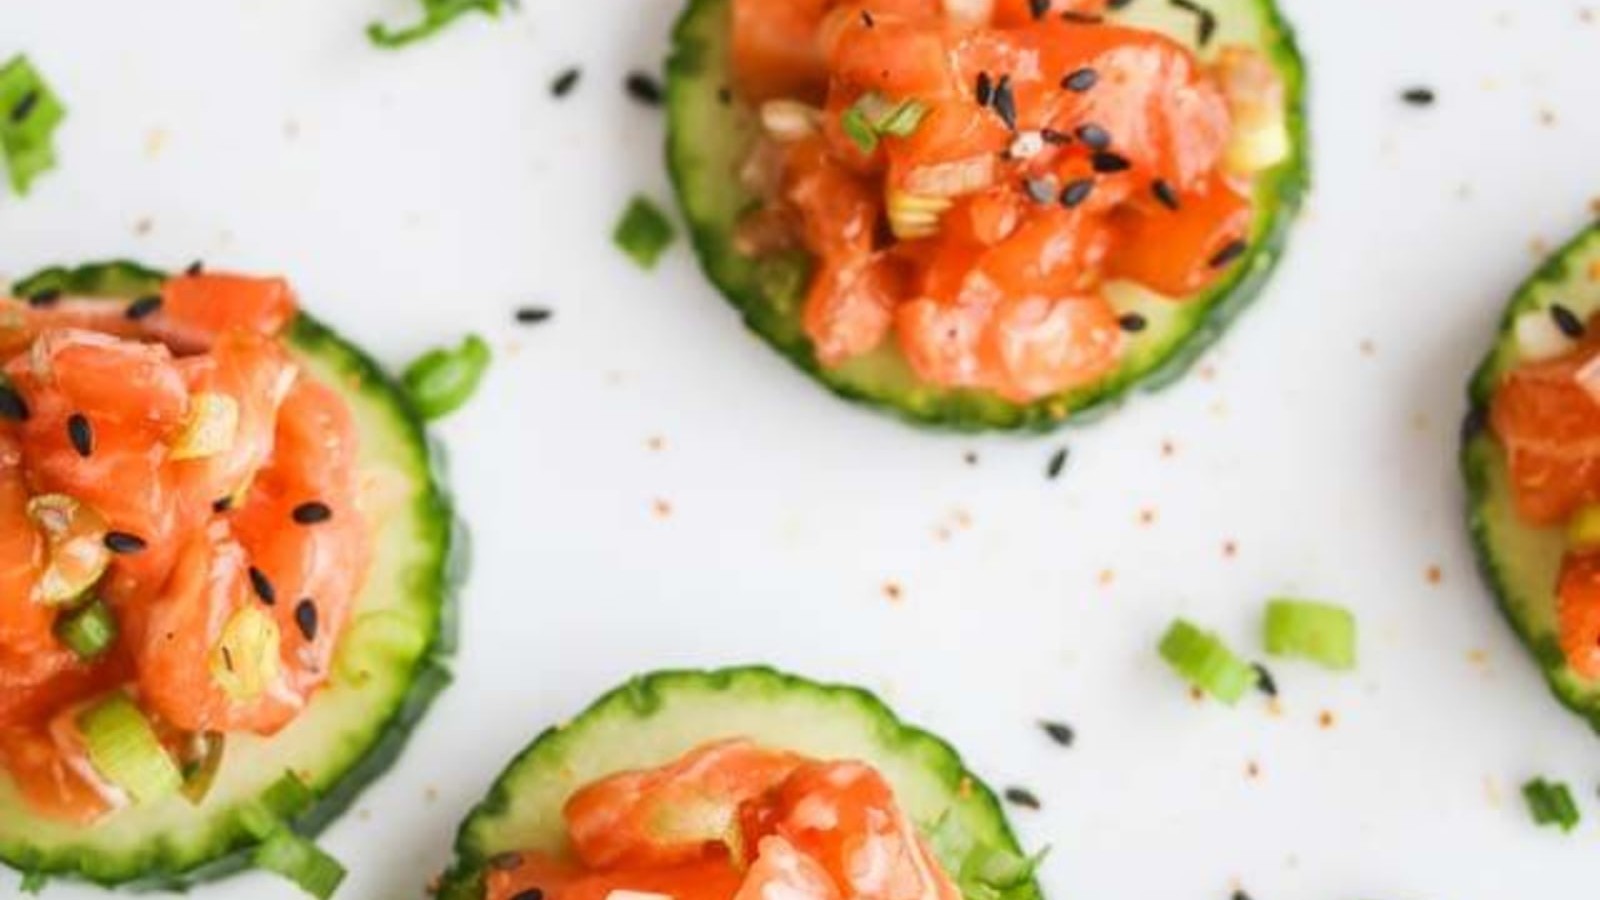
<point x="1108" y="163"/>
<point x="892" y="590"/>
<point x="533" y="315"/>
<point x="1229" y="253"/>
<point x="1039" y="8"/>
<point x="1165" y="193"/>
<point x="1019" y="796"/>
<point x="970" y="457"/>
<point x="1265" y="683"/>
<point x="24" y="107"/>
<point x="1005" y="102"/>
<point x="1132" y="323"/>
<point x="262" y="586"/>
<point x="198" y="267"/>
<point x="1081" y="80"/>
<point x="1058" y="138"/>
<point x="12" y="406"/>
<point x="867" y="20"/>
<point x="1240" y="895"/>
<point x="1252" y="769"/>
<point x="44" y="298"/>
<point x="529" y="894"/>
<point x="1076" y="192"/>
<point x="123" y="543"/>
<point x="1567" y="321"/>
<point x="1418" y="96"/>
<point x="1040" y="190"/>
<point x="1081" y="18"/>
<point x="644" y="88"/>
<point x="1060" y="732"/>
<point x="563" y="83"/>
<point x="724" y="96"/>
<point x="1094" y="136"/>
<point x="305" y="618"/>
<point x="1230" y="549"/>
<point x="143" y="307"/>
<point x="80" y="434"/>
<point x="983" y="91"/>
<point x="313" y="512"/>
<point x="1058" y="461"/>
<point x="221" y="505"/>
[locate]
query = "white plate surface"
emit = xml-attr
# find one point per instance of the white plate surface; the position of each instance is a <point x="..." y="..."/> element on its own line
<point x="418" y="195"/>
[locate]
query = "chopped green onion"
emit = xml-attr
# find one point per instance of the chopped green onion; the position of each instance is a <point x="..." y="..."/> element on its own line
<point x="442" y="381"/>
<point x="644" y="232"/>
<point x="302" y="862"/>
<point x="903" y="120"/>
<point x="1319" y="632"/>
<point x="29" y="115"/>
<point x="34" y="883"/>
<point x="124" y="749"/>
<point x="999" y="868"/>
<point x="436" y="14"/>
<point x="853" y="121"/>
<point x="1550" y="803"/>
<point x="1205" y="662"/>
<point x="88" y="631"/>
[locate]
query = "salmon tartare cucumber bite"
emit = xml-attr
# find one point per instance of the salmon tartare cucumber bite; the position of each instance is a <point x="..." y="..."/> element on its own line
<point x="738" y="784"/>
<point x="225" y="568"/>
<point x="988" y="214"/>
<point x="1531" y="459"/>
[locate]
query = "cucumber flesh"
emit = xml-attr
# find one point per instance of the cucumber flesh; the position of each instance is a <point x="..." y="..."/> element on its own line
<point x="656" y="718"/>
<point x="390" y="664"/>
<point x="1522" y="563"/>
<point x="709" y="135"/>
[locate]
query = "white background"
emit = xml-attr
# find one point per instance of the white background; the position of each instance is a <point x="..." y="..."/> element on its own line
<point x="414" y="196"/>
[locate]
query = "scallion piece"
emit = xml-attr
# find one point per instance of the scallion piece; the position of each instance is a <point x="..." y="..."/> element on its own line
<point x="1550" y="803"/>
<point x="88" y="631"/>
<point x="442" y="381"/>
<point x="858" y="128"/>
<point x="302" y="862"/>
<point x="436" y="15"/>
<point x="1320" y="632"/>
<point x="1205" y="662"/>
<point x="124" y="749"/>
<point x="29" y="115"/>
<point x="874" y="115"/>
<point x="644" y="232"/>
<point x="903" y="120"/>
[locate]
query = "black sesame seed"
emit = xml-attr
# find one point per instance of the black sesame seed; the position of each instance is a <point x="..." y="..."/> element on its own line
<point x="195" y="268"/>
<point x="1419" y="96"/>
<point x="1165" y="193"/>
<point x="1052" y="136"/>
<point x="314" y="512"/>
<point x="1240" y="895"/>
<point x="867" y="20"/>
<point x="1118" y="4"/>
<point x="1206" y="24"/>
<point x="262" y="586"/>
<point x="533" y="315"/>
<point x="1080" y="18"/>
<point x="983" y="92"/>
<point x="1023" y="797"/>
<point x="12" y="406"/>
<point x="1094" y="136"/>
<point x="122" y="543"/>
<point x="1081" y="80"/>
<point x="1058" y="461"/>
<point x="1076" y="192"/>
<point x="644" y="88"/>
<point x="1133" y="322"/>
<point x="1228" y="254"/>
<point x="529" y="894"/>
<point x="1039" y="8"/>
<point x="305" y="617"/>
<point x="44" y="298"/>
<point x="1005" y="103"/>
<point x="1265" y="683"/>
<point x="24" y="107"/>
<point x="1060" y="732"/>
<point x="506" y="861"/>
<point x="80" y="434"/>
<point x="563" y="83"/>
<point x="1106" y="163"/>
<point x="1040" y="190"/>
<point x="222" y="504"/>
<point x="724" y="96"/>
<point x="227" y="658"/>
<point x="1567" y="321"/>
<point x="143" y="307"/>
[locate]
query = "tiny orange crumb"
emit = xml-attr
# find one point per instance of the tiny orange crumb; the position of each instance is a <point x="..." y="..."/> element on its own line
<point x="964" y="790"/>
<point x="1106" y="576"/>
<point x="1547" y="117"/>
<point x="1435" y="574"/>
<point x="1168" y="448"/>
<point x="1368" y="348"/>
<point x="144" y="226"/>
<point x="1594" y="267"/>
<point x="1325" y="719"/>
<point x="1196" y="694"/>
<point x="1252" y="769"/>
<point x="1478" y="657"/>
<point x="1275" y="708"/>
<point x="1147" y="516"/>
<point x="656" y="443"/>
<point x="662" y="508"/>
<point x="1230" y="549"/>
<point x="891" y="589"/>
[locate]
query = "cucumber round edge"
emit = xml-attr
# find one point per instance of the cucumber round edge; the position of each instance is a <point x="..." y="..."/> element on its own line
<point x="698" y="140"/>
<point x="1520" y="563"/>
<point x="906" y="754"/>
<point x="227" y="847"/>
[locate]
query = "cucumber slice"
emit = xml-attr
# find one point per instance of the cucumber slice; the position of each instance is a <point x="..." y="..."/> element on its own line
<point x="655" y="718"/>
<point x="1522" y="563"/>
<point x="389" y="668"/>
<point x="707" y="140"/>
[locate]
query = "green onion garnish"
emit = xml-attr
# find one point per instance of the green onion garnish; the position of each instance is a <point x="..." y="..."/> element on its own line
<point x="1205" y="662"/>
<point x="89" y="631"/>
<point x="29" y="115"/>
<point x="436" y="15"/>
<point x="302" y="862"/>
<point x="124" y="749"/>
<point x="442" y="381"/>
<point x="853" y="121"/>
<point x="644" y="232"/>
<point x="903" y="120"/>
<point x="873" y="115"/>
<point x="1550" y="803"/>
<point x="1319" y="632"/>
